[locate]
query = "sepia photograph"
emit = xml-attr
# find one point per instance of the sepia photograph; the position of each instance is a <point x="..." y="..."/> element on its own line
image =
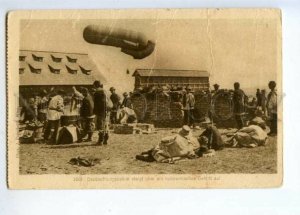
<point x="165" y="98"/>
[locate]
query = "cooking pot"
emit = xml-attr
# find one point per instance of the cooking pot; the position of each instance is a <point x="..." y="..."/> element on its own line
<point x="69" y="120"/>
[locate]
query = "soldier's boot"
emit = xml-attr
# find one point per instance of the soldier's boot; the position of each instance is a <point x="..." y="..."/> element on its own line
<point x="106" y="136"/>
<point x="100" y="138"/>
<point x="89" y="136"/>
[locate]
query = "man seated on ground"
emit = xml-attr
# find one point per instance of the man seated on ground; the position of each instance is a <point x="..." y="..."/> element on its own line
<point x="127" y="115"/>
<point x="126" y="101"/>
<point x="172" y="148"/>
<point x="213" y="135"/>
<point x="250" y="136"/>
<point x="259" y="118"/>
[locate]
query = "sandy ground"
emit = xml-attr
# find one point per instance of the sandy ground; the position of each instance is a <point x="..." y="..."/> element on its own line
<point x="118" y="157"/>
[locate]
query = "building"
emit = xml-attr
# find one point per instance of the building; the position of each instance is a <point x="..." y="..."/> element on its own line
<point x="39" y="70"/>
<point x="197" y="80"/>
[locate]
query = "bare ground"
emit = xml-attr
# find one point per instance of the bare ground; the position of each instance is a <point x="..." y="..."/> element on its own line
<point x="118" y="157"/>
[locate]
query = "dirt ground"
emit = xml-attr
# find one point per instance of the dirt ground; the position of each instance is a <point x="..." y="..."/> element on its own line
<point x="118" y="157"/>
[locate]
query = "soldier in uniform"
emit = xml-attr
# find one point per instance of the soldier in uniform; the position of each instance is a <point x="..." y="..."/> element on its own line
<point x="188" y="107"/>
<point x="116" y="100"/>
<point x="126" y="101"/>
<point x="101" y="110"/>
<point x="87" y="115"/>
<point x="55" y="111"/>
<point x="238" y="104"/>
<point x="272" y="107"/>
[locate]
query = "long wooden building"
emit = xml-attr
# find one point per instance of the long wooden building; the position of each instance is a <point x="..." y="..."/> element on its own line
<point x="39" y="70"/>
<point x="196" y="79"/>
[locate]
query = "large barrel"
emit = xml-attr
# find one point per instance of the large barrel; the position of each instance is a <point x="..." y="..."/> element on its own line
<point x="222" y="109"/>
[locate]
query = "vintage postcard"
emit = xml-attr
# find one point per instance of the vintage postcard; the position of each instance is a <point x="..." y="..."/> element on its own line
<point x="157" y="98"/>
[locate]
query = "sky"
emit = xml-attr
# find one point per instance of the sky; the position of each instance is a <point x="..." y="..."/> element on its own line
<point x="232" y="50"/>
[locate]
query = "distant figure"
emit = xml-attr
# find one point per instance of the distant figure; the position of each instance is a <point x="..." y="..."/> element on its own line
<point x="42" y="106"/>
<point x="238" y="104"/>
<point x="258" y="97"/>
<point x="101" y="110"/>
<point x="252" y="106"/>
<point x="188" y="107"/>
<point x="216" y="88"/>
<point x="272" y="107"/>
<point x="87" y="115"/>
<point x="126" y="101"/>
<point x="116" y="100"/>
<point x="213" y="135"/>
<point x="29" y="110"/>
<point x="55" y="111"/>
<point x="263" y="101"/>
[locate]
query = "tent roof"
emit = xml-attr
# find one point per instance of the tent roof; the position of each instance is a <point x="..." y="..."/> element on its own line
<point x="170" y="73"/>
<point x="46" y="77"/>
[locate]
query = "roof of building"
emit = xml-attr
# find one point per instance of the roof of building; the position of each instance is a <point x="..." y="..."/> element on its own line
<point x="29" y="76"/>
<point x="170" y="73"/>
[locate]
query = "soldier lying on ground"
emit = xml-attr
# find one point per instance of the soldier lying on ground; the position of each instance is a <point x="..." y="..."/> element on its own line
<point x="173" y="148"/>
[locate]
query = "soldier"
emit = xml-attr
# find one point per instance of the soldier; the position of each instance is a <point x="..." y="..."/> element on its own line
<point x="238" y="104"/>
<point x="258" y="97"/>
<point x="101" y="110"/>
<point x="263" y="101"/>
<point x="115" y="98"/>
<point x="87" y="115"/>
<point x="188" y="107"/>
<point x="272" y="108"/>
<point x="126" y="101"/>
<point x="55" y="111"/>
<point x="216" y="88"/>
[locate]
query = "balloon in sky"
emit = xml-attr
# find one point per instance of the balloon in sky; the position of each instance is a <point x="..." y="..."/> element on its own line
<point x="131" y="42"/>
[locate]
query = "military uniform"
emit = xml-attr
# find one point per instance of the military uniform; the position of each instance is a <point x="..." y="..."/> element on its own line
<point x="101" y="112"/>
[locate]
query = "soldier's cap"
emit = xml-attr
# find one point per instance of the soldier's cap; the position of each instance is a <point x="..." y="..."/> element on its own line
<point x="188" y="88"/>
<point x="84" y="90"/>
<point x="112" y="88"/>
<point x="216" y="85"/>
<point x="97" y="83"/>
<point x="125" y="94"/>
<point x="185" y="131"/>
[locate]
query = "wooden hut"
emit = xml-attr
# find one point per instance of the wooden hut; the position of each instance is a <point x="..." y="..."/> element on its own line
<point x="196" y="79"/>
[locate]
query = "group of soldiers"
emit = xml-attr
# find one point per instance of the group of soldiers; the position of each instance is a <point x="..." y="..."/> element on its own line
<point x="240" y="102"/>
<point x="96" y="109"/>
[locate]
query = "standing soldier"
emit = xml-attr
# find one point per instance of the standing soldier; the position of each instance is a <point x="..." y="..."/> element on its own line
<point x="116" y="100"/>
<point x="272" y="107"/>
<point x="263" y="101"/>
<point x="101" y="106"/>
<point x="188" y="107"/>
<point x="42" y="106"/>
<point x="87" y="115"/>
<point x="238" y="104"/>
<point x="258" y="97"/>
<point x="216" y="88"/>
<point x="55" y="111"/>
